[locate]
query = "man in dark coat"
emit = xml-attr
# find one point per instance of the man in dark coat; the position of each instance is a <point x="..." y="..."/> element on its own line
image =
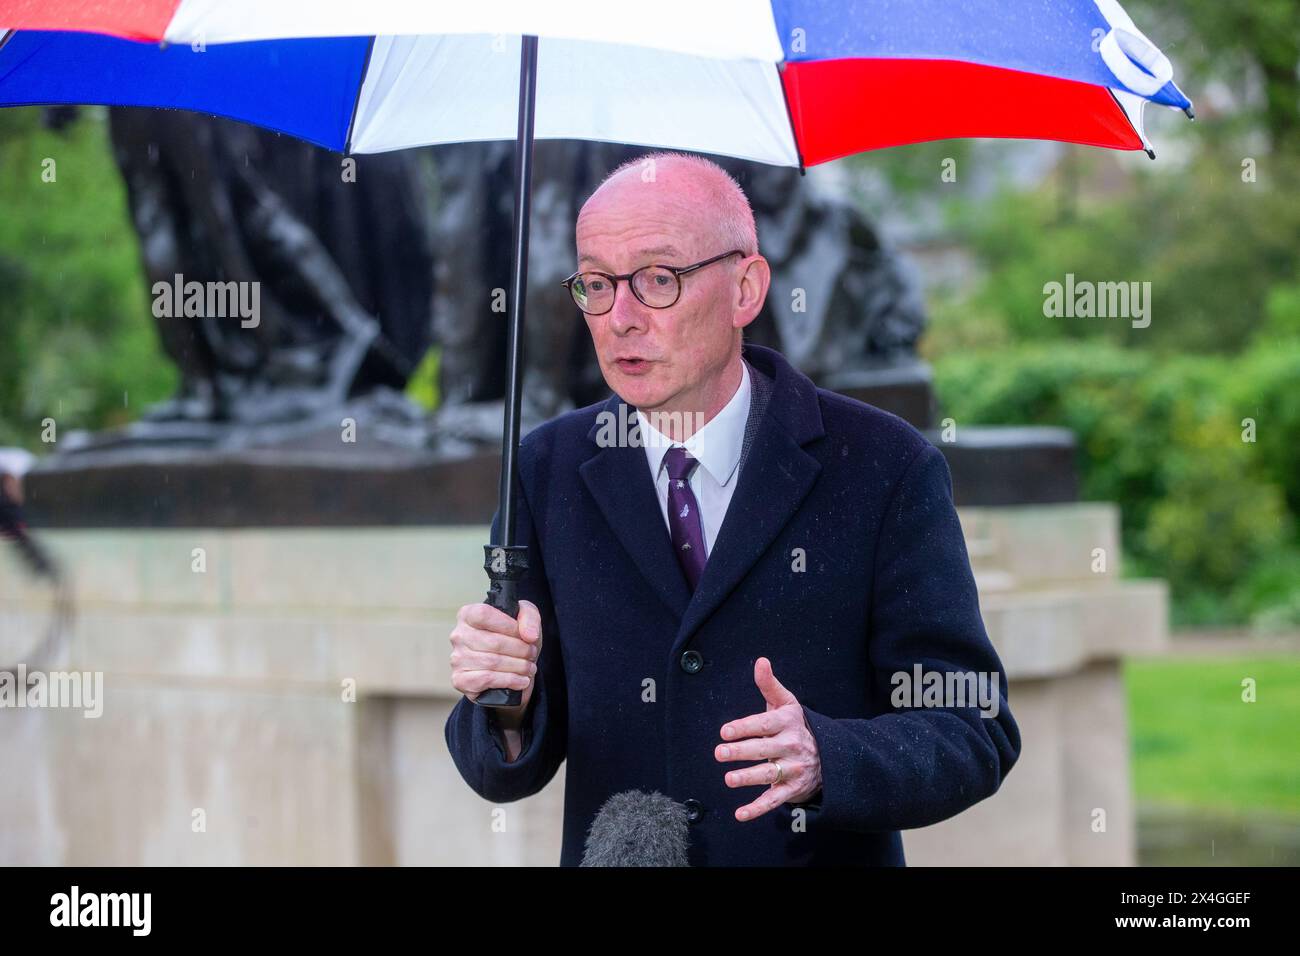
<point x="745" y="592"/>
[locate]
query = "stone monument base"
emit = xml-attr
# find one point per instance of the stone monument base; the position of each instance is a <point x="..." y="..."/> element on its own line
<point x="277" y="696"/>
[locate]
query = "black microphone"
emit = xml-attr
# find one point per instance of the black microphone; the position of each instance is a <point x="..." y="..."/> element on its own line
<point x="635" y="828"/>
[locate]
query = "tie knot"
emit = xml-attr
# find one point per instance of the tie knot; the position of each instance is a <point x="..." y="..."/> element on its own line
<point x="680" y="463"/>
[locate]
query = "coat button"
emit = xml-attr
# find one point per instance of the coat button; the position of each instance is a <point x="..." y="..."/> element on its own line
<point x="692" y="662"/>
<point x="694" y="810"/>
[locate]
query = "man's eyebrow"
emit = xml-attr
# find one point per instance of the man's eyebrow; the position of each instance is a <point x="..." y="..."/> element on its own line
<point x="668" y="250"/>
<point x="661" y="251"/>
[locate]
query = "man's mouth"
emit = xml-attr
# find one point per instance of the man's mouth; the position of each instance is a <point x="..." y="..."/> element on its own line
<point x="633" y="366"/>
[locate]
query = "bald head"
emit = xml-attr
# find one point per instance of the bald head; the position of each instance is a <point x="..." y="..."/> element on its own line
<point x="707" y="205"/>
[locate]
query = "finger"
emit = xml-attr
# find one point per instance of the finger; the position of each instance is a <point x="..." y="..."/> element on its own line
<point x="772" y="690"/>
<point x="768" y="800"/>
<point x="766" y="724"/>
<point x="484" y="617"/>
<point x="490" y="642"/>
<point x="471" y="660"/>
<point x="475" y="682"/>
<point x="530" y="621"/>
<point x="761" y="774"/>
<point x="755" y="748"/>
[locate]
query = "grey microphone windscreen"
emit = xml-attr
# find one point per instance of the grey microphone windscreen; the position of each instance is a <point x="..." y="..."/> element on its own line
<point x="635" y="828"/>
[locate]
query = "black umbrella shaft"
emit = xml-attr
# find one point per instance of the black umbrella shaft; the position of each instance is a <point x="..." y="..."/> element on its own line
<point x="518" y="286"/>
<point x="505" y="562"/>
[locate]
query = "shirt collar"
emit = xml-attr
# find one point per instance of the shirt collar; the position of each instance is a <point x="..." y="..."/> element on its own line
<point x="717" y="445"/>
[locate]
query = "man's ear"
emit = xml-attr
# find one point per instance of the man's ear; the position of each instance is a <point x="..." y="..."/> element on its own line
<point x="751" y="291"/>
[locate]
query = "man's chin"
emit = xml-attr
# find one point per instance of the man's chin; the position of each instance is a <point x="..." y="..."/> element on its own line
<point x="634" y="389"/>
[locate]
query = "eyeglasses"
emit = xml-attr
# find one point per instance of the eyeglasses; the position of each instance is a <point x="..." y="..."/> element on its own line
<point x="656" y="286"/>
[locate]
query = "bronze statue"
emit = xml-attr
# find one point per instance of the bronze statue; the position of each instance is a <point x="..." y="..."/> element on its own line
<point x="342" y="262"/>
<point x="359" y="272"/>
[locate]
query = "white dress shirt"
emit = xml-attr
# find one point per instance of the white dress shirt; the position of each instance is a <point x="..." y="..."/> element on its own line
<point x="717" y="446"/>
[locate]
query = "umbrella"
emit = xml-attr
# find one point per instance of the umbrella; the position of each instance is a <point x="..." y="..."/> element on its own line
<point x="787" y="82"/>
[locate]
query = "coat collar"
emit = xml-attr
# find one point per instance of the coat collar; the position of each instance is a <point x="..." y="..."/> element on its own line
<point x="776" y="475"/>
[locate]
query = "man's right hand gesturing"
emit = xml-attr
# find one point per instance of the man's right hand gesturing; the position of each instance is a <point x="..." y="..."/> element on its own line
<point x="491" y="649"/>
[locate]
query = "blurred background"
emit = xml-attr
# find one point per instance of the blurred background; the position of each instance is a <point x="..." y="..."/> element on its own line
<point x="1189" y="427"/>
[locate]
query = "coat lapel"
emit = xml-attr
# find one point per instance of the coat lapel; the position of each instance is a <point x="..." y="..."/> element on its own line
<point x="776" y="475"/>
<point x="618" y="477"/>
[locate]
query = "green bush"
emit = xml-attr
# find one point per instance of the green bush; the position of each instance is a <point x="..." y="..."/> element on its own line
<point x="1264" y="385"/>
<point x="1163" y="437"/>
<point x="77" y="338"/>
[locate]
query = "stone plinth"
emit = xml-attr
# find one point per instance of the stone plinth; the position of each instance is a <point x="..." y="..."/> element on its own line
<point x="230" y="735"/>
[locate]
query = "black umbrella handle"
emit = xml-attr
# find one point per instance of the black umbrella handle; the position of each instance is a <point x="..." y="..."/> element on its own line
<point x="504" y="565"/>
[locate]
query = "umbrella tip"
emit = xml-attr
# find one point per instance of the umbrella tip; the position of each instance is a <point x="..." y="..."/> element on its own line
<point x="1150" y="152"/>
<point x="1191" y="113"/>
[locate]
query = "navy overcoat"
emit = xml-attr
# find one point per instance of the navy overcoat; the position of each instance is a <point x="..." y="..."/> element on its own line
<point x="840" y="559"/>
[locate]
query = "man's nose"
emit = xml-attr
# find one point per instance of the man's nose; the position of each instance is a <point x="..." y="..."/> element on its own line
<point x="628" y="314"/>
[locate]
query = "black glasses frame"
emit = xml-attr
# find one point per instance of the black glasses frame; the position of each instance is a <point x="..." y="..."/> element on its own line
<point x="678" y="271"/>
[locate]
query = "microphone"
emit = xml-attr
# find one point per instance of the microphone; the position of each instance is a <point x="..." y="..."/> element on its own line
<point x="635" y="828"/>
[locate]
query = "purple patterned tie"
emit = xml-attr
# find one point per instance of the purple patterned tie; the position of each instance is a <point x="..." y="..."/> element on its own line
<point x="685" y="527"/>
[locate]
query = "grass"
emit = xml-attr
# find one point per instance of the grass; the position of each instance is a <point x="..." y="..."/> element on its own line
<point x="1197" y="744"/>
